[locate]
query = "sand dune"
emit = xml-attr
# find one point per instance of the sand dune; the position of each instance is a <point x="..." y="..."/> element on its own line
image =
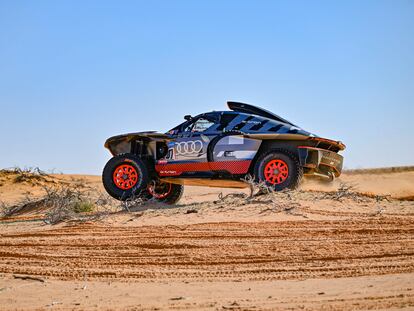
<point x="321" y="247"/>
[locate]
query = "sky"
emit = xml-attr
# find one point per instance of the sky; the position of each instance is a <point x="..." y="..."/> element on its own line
<point x="73" y="73"/>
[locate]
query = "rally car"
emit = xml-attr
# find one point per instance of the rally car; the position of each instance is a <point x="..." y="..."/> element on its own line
<point x="218" y="149"/>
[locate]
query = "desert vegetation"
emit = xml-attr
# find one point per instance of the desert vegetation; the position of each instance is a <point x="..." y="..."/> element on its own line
<point x="74" y="201"/>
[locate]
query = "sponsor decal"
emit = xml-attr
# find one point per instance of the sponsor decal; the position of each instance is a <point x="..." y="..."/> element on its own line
<point x="250" y="122"/>
<point x="205" y="138"/>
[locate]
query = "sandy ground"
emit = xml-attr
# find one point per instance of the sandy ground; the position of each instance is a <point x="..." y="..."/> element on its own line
<point x="303" y="250"/>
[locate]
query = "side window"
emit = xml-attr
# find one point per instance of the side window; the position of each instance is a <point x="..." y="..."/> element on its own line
<point x="200" y="125"/>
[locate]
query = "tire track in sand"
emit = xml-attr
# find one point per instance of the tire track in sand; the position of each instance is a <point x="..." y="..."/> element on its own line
<point x="216" y="251"/>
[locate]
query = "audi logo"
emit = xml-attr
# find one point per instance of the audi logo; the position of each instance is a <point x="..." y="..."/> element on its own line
<point x="188" y="147"/>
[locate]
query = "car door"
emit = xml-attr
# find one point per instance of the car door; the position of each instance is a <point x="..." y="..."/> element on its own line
<point x="192" y="142"/>
<point x="187" y="152"/>
<point x="230" y="150"/>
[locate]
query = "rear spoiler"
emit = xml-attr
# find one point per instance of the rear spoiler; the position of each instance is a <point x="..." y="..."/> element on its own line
<point x="250" y="109"/>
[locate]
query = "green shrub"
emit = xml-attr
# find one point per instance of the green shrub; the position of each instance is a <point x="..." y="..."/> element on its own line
<point x="83" y="207"/>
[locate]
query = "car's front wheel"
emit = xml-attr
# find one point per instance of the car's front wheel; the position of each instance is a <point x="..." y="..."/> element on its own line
<point x="125" y="176"/>
<point x="278" y="169"/>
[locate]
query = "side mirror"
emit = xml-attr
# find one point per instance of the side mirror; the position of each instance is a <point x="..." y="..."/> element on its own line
<point x="188" y="117"/>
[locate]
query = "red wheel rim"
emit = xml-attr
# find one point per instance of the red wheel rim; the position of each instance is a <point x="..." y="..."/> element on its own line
<point x="276" y="172"/>
<point x="159" y="190"/>
<point x="125" y="176"/>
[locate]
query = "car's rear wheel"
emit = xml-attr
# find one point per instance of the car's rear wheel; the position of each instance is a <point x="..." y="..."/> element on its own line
<point x="278" y="169"/>
<point x="165" y="192"/>
<point x="125" y="176"/>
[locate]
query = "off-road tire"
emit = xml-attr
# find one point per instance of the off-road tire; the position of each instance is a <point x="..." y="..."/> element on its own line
<point x="138" y="190"/>
<point x="295" y="171"/>
<point x="174" y="196"/>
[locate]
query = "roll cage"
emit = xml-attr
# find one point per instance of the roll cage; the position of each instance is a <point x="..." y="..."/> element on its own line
<point x="188" y="126"/>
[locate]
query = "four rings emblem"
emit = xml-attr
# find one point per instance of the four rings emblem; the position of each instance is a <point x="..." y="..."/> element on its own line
<point x="188" y="147"/>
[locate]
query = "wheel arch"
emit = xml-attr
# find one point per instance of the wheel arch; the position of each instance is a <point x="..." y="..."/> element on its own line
<point x="267" y="146"/>
<point x="144" y="147"/>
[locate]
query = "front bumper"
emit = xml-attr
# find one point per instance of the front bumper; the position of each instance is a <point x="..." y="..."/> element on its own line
<point x="320" y="161"/>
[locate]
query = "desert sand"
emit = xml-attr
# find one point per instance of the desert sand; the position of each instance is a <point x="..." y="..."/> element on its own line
<point x="324" y="246"/>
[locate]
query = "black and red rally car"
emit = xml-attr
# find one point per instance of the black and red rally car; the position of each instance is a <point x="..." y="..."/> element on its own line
<point x="218" y="149"/>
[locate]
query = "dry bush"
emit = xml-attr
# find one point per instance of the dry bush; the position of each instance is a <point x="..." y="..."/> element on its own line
<point x="24" y="206"/>
<point x="348" y="191"/>
<point x="132" y="202"/>
<point x="137" y="201"/>
<point x="262" y="194"/>
<point x="256" y="188"/>
<point x="75" y="204"/>
<point x="3" y="208"/>
<point x="31" y="175"/>
<point x="61" y="203"/>
<point x="345" y="190"/>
